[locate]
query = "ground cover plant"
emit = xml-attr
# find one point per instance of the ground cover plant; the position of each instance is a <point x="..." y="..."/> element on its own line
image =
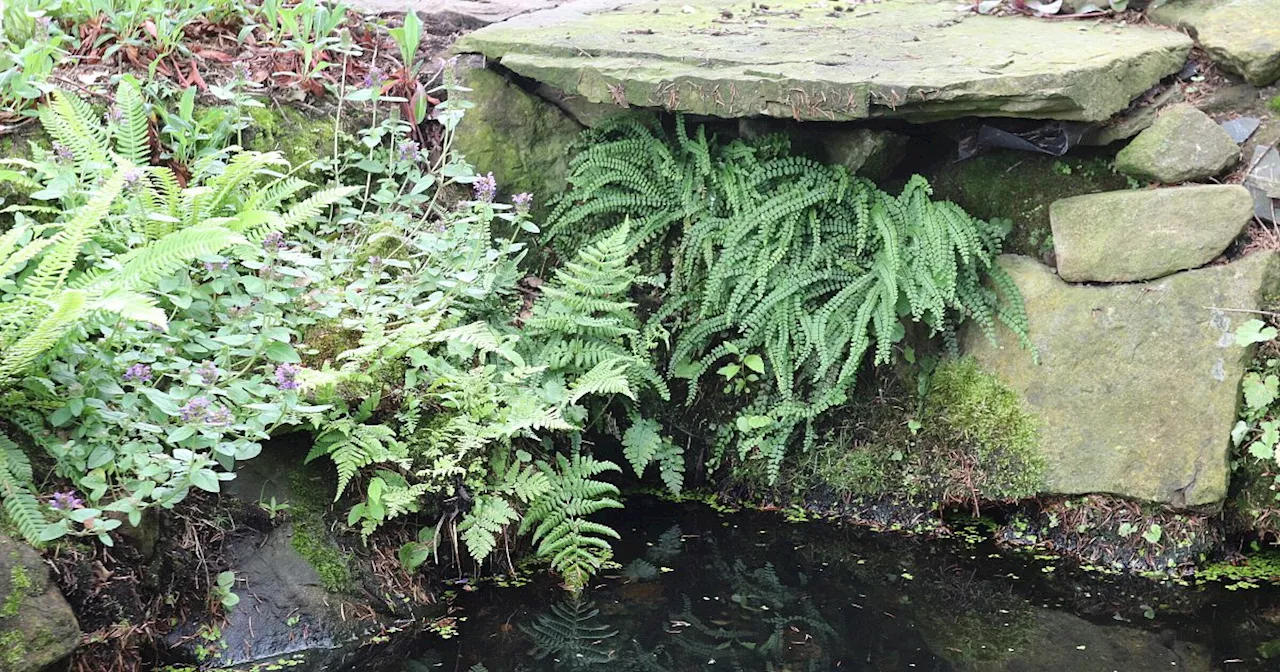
<point x="171" y="301"/>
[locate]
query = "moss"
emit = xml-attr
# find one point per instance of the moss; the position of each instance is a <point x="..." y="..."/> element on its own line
<point x="974" y="411"/>
<point x="308" y="500"/>
<point x="13" y="648"/>
<point x="1274" y="104"/>
<point x="301" y="138"/>
<point x="1020" y="187"/>
<point x="20" y="586"/>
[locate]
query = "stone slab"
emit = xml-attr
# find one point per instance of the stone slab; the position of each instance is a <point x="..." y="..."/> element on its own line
<point x="915" y="59"/>
<point x="1127" y="236"/>
<point x="1241" y="35"/>
<point x="1137" y="385"/>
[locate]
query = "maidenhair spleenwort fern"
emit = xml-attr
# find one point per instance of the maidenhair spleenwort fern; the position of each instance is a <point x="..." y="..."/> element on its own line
<point x="778" y="254"/>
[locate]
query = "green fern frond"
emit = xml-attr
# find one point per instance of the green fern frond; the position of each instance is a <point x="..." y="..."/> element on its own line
<point x="132" y="132"/>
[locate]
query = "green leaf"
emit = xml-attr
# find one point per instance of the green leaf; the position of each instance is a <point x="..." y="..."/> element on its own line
<point x="282" y="352"/>
<point x="1259" y="392"/>
<point x="754" y="362"/>
<point x="205" y="479"/>
<point x="1153" y="533"/>
<point x="1254" y="331"/>
<point x="1261" y="450"/>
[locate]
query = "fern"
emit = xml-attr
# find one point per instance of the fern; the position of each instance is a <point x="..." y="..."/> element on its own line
<point x="777" y="254"/>
<point x="132" y="133"/>
<point x="642" y="445"/>
<point x="571" y="632"/>
<point x="482" y="525"/>
<point x="353" y="445"/>
<point x="20" y="505"/>
<point x="575" y="546"/>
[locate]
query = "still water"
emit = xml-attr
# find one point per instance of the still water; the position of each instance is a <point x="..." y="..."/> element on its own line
<point x="698" y="590"/>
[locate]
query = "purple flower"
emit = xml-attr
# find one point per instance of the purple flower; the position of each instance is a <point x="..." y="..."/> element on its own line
<point x="240" y="71"/>
<point x="114" y="114"/>
<point x="208" y="373"/>
<point x="375" y="262"/>
<point x="372" y="78"/>
<point x="219" y="416"/>
<point x="63" y="153"/>
<point x="523" y="201"/>
<point x="215" y="266"/>
<point x="274" y="242"/>
<point x="138" y="373"/>
<point x="195" y="410"/>
<point x="485" y="188"/>
<point x="286" y="375"/>
<point x="131" y="177"/>
<point x="66" y="501"/>
<point x="410" y="151"/>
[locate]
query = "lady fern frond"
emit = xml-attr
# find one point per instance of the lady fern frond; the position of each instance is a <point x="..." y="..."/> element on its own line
<point x="576" y="547"/>
<point x="132" y="138"/>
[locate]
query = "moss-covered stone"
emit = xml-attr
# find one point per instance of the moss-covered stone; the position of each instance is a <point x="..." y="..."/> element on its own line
<point x="1241" y="35"/>
<point x="522" y="139"/>
<point x="1124" y="236"/>
<point x="988" y="438"/>
<point x="37" y="626"/>
<point x="1135" y="385"/>
<point x="1020" y="187"/>
<point x="795" y="59"/>
<point x="298" y="136"/>
<point x="1182" y="144"/>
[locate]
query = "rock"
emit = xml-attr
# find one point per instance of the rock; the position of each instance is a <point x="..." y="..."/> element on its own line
<point x="868" y="152"/>
<point x="1047" y="640"/>
<point x="915" y="59"/>
<point x="1241" y="35"/>
<point x="470" y="12"/>
<point x="1241" y="128"/>
<point x="1264" y="171"/>
<point x="1182" y="144"/>
<point x="1123" y="236"/>
<point x="1020" y="187"/>
<point x="37" y="626"/>
<point x="1137" y="385"/>
<point x="518" y="136"/>
<point x="1134" y="120"/>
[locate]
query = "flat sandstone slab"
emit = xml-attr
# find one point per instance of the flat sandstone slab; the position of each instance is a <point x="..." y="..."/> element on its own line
<point x="915" y="59"/>
<point x="1125" y="236"/>
<point x="1243" y="35"/>
<point x="1137" y="386"/>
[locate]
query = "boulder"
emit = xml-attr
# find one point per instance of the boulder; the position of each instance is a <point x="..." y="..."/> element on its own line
<point x="1241" y="35"/>
<point x="37" y="626"/>
<point x="522" y="139"/>
<point x="1136" y="385"/>
<point x="1046" y="640"/>
<point x="915" y="59"/>
<point x="1124" y="236"/>
<point x="1182" y="144"/>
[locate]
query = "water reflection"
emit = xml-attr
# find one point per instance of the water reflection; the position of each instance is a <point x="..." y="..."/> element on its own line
<point x="748" y="593"/>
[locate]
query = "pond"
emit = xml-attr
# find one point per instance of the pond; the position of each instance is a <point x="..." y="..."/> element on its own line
<point x="700" y="590"/>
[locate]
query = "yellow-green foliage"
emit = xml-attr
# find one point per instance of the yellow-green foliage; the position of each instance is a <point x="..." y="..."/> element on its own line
<point x="984" y="422"/>
<point x="1274" y="104"/>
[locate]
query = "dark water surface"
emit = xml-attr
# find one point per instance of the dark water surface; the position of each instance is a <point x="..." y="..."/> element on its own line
<point x="699" y="590"/>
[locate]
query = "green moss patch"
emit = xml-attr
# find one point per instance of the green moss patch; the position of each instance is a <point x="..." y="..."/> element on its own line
<point x="299" y="137"/>
<point x="1274" y="104"/>
<point x="1019" y="186"/>
<point x="309" y="501"/>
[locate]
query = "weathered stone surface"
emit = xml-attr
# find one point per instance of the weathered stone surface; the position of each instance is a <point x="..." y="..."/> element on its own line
<point x="1182" y="144"/>
<point x="476" y="12"/>
<point x="37" y="627"/>
<point x="1046" y="640"/>
<point x="521" y="138"/>
<point x="1123" y="236"/>
<point x="1137" y="384"/>
<point x="868" y="152"/>
<point x="1242" y="35"/>
<point x="917" y="59"/>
